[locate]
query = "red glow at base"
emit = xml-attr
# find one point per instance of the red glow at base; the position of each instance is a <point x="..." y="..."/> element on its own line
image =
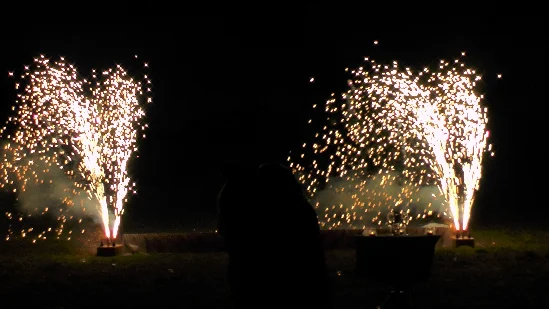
<point x="109" y="247"/>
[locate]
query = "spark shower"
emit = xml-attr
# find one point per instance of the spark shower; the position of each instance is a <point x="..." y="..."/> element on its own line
<point x="400" y="128"/>
<point x="86" y="128"/>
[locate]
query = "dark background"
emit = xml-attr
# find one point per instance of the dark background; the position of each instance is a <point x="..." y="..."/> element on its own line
<point x="227" y="87"/>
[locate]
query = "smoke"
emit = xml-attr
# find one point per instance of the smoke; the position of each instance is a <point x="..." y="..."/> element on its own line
<point x="44" y="188"/>
<point x="356" y="202"/>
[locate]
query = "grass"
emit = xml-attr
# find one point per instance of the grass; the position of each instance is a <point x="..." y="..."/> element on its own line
<point x="508" y="268"/>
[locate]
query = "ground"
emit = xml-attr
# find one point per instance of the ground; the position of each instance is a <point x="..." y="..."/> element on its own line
<point x="508" y="268"/>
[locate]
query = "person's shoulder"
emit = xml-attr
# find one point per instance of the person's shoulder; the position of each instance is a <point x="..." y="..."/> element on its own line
<point x="273" y="166"/>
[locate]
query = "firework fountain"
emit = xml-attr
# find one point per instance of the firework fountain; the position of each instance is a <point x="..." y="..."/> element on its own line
<point x="86" y="128"/>
<point x="400" y="130"/>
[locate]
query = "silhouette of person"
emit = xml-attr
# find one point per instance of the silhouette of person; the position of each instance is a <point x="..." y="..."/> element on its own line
<point x="296" y="253"/>
<point x="273" y="240"/>
<point x="235" y="204"/>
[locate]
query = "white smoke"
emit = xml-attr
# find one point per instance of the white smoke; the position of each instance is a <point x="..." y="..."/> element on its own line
<point x="44" y="189"/>
<point x="355" y="203"/>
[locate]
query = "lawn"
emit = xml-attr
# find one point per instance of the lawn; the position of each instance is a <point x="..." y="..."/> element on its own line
<point x="508" y="268"/>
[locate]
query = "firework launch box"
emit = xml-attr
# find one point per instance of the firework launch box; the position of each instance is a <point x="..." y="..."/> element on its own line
<point x="109" y="250"/>
<point x="464" y="241"/>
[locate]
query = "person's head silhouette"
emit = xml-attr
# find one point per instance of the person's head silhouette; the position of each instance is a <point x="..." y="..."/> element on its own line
<point x="279" y="182"/>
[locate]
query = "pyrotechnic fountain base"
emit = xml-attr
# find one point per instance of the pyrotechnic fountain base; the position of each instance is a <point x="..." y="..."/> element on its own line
<point x="464" y="241"/>
<point x="110" y="250"/>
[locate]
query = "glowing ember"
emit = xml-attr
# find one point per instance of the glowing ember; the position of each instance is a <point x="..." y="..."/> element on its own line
<point x="86" y="129"/>
<point x="394" y="134"/>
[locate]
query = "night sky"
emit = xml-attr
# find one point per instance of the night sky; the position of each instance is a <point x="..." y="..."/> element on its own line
<point x="227" y="87"/>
